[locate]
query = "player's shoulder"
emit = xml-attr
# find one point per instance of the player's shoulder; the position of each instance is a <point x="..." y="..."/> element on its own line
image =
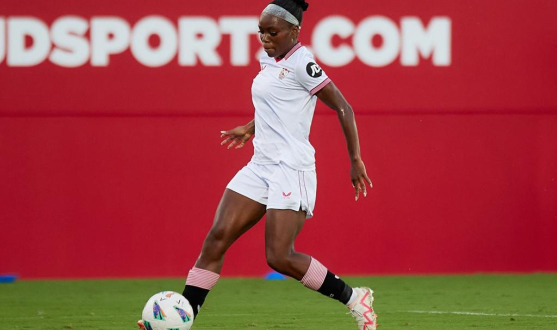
<point x="303" y="60"/>
<point x="302" y="56"/>
<point x="299" y="58"/>
<point x="306" y="65"/>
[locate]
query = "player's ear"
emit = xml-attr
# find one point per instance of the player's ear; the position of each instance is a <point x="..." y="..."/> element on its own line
<point x="295" y="31"/>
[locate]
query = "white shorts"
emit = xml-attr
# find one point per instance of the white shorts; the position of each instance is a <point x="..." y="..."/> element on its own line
<point x="277" y="186"/>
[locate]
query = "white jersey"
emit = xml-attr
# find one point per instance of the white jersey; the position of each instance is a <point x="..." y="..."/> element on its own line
<point x="283" y="95"/>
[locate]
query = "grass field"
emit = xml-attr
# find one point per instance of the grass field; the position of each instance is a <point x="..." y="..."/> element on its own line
<point x="409" y="302"/>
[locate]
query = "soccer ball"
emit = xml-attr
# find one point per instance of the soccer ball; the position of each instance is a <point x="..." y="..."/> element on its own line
<point x="167" y="310"/>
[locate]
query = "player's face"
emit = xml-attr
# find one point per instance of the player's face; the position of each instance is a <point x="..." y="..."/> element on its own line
<point x="277" y="35"/>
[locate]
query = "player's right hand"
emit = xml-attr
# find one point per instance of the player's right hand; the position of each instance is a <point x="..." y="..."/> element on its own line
<point x="239" y="135"/>
<point x="359" y="178"/>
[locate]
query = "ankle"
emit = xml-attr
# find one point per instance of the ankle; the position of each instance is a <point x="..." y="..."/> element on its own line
<point x="352" y="301"/>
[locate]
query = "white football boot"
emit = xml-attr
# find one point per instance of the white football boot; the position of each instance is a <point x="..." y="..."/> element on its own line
<point x="362" y="309"/>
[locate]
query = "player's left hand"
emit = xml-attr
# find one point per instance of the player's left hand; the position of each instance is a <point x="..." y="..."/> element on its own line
<point x="359" y="178"/>
<point x="239" y="135"/>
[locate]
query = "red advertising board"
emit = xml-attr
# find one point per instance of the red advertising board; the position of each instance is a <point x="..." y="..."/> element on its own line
<point x="110" y="157"/>
<point x="195" y="57"/>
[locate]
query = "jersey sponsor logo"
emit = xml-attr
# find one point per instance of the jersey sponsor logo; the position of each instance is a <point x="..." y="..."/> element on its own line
<point x="286" y="195"/>
<point x="314" y="70"/>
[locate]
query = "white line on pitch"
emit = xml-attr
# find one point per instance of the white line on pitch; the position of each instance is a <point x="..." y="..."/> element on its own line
<point x="482" y="314"/>
<point x="89" y="316"/>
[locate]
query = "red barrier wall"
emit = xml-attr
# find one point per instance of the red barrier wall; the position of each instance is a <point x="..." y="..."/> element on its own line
<point x="86" y="197"/>
<point x="116" y="170"/>
<point x="499" y="53"/>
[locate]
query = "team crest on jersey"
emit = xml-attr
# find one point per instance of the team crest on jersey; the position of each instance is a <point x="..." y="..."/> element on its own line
<point x="283" y="73"/>
<point x="314" y="70"/>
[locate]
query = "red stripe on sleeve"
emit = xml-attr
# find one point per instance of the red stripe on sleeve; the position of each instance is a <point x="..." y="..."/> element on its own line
<point x="320" y="86"/>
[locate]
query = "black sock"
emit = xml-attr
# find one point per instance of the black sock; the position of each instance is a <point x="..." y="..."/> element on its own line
<point x="335" y="288"/>
<point x="196" y="297"/>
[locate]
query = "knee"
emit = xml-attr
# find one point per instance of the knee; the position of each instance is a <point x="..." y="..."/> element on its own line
<point x="278" y="261"/>
<point x="216" y="235"/>
<point x="215" y="244"/>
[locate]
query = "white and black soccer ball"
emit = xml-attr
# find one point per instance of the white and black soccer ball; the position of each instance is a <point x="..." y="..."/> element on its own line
<point x="167" y="310"/>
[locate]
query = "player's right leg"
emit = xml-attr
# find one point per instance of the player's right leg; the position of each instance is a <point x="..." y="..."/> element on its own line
<point x="235" y="215"/>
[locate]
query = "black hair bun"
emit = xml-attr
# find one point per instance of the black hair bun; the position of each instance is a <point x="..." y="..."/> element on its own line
<point x="303" y="4"/>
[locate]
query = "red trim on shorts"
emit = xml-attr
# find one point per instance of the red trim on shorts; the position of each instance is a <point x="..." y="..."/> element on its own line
<point x="300" y="185"/>
<point x="306" y="189"/>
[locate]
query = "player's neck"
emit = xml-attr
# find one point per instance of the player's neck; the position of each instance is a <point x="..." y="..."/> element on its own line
<point x="278" y="58"/>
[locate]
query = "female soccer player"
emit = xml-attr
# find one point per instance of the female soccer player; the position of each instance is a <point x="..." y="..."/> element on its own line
<point x="280" y="180"/>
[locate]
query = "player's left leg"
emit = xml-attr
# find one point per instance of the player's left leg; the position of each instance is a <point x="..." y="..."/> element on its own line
<point x="281" y="229"/>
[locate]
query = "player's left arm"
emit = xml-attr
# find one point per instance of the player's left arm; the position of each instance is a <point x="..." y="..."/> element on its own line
<point x="333" y="98"/>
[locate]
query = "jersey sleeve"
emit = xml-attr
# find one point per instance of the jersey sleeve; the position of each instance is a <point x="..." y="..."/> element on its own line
<point x="310" y="75"/>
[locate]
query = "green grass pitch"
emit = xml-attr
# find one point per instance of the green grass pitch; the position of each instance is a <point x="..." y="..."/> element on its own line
<point x="402" y="302"/>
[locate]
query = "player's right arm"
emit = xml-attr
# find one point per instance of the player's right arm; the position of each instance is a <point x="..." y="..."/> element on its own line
<point x="332" y="97"/>
<point x="240" y="134"/>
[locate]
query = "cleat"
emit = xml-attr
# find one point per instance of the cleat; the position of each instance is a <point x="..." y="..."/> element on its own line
<point x="141" y="325"/>
<point x="362" y="309"/>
